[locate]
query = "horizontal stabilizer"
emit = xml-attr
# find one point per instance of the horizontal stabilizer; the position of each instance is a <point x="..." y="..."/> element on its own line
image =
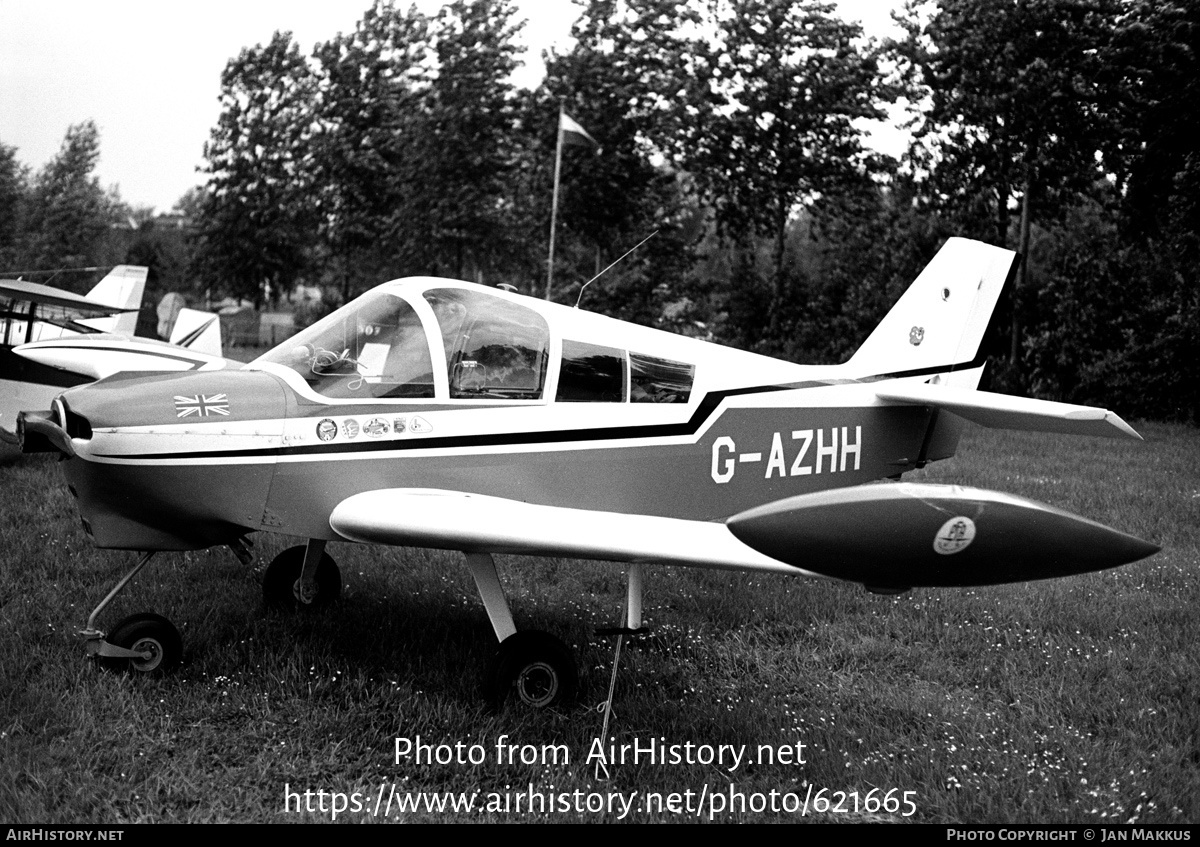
<point x="1004" y="411"/>
<point x="454" y="520"/>
<point x="904" y="535"/>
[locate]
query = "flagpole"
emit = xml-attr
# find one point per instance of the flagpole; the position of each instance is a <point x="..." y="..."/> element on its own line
<point x="554" y="204"/>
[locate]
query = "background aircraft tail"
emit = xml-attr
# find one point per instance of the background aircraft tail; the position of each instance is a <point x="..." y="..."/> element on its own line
<point x="122" y="287"/>
<point x="199" y="331"/>
<point x="937" y="325"/>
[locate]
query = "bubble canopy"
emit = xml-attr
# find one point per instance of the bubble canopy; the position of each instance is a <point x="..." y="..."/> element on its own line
<point x="385" y="345"/>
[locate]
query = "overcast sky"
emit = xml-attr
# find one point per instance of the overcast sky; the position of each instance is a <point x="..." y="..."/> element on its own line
<point x="148" y="73"/>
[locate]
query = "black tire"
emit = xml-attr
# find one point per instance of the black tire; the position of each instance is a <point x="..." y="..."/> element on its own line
<point x="279" y="584"/>
<point x="146" y="632"/>
<point x="535" y="670"/>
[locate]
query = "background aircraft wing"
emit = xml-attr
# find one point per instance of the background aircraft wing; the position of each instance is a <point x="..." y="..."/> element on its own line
<point x="1004" y="411"/>
<point x="32" y="292"/>
<point x="101" y="355"/>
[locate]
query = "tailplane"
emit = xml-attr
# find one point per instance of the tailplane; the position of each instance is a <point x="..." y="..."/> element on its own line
<point x="929" y="346"/>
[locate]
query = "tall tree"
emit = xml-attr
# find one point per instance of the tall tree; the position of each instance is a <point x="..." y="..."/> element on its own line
<point x="257" y="220"/>
<point x="372" y="81"/>
<point x="1158" y="49"/>
<point x="463" y="141"/>
<point x="623" y="82"/>
<point x="416" y="139"/>
<point x="68" y="214"/>
<point x="13" y="190"/>
<point x="787" y="81"/>
<point x="1020" y="104"/>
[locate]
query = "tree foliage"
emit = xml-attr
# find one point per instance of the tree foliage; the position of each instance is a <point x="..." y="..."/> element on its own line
<point x="787" y="80"/>
<point x="1022" y="105"/>
<point x="67" y="214"/>
<point x="734" y="129"/>
<point x="1157" y="46"/>
<point x="1020" y="99"/>
<point x="257" y="219"/>
<point x="463" y="142"/>
<point x="371" y="80"/>
<point x="622" y="82"/>
<point x="13" y="187"/>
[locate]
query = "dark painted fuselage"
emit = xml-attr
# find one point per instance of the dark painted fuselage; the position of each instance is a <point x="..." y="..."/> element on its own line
<point x="147" y="479"/>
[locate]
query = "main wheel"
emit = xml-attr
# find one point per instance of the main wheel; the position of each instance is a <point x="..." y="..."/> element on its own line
<point x="146" y="633"/>
<point x="281" y="584"/>
<point x="536" y="669"/>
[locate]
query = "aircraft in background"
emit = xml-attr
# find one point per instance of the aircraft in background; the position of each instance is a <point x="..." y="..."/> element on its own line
<point x="51" y="339"/>
<point x="437" y="413"/>
<point x="195" y="345"/>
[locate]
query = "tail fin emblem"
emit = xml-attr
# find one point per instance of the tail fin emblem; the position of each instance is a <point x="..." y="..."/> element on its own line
<point x="916" y="335"/>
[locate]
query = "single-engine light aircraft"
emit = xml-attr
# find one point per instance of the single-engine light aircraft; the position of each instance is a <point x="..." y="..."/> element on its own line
<point x="437" y="413"/>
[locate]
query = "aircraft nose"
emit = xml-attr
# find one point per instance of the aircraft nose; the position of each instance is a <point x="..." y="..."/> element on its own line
<point x="173" y="461"/>
<point x="167" y="400"/>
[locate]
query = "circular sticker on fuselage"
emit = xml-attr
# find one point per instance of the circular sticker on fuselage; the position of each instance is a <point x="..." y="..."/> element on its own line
<point x="327" y="430"/>
<point x="955" y="536"/>
<point x="350" y="425"/>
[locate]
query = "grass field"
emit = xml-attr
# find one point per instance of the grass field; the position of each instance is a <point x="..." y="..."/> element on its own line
<point x="1066" y="701"/>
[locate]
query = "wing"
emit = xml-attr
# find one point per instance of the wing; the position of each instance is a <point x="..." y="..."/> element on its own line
<point x="32" y="292"/>
<point x="455" y="520"/>
<point x="1003" y="411"/>
<point x="889" y="537"/>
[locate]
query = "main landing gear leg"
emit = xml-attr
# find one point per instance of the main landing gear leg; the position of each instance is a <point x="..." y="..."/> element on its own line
<point x="533" y="666"/>
<point x="145" y="642"/>
<point x="634" y="580"/>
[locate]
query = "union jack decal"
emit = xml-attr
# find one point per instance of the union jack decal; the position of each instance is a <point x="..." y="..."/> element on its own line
<point x="201" y="405"/>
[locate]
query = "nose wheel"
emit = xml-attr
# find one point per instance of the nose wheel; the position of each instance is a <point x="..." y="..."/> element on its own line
<point x="144" y="643"/>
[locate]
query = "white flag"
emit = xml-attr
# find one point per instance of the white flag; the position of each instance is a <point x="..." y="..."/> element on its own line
<point x="573" y="133"/>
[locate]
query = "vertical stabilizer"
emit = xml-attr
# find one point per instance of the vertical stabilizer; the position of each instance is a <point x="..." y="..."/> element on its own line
<point x="123" y="289"/>
<point x="937" y="325"/>
<point x="199" y="331"/>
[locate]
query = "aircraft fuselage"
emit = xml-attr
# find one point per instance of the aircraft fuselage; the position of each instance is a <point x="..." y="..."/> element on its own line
<point x="190" y="461"/>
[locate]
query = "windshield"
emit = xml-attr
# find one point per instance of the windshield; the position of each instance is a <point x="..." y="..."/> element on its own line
<point x="374" y="347"/>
